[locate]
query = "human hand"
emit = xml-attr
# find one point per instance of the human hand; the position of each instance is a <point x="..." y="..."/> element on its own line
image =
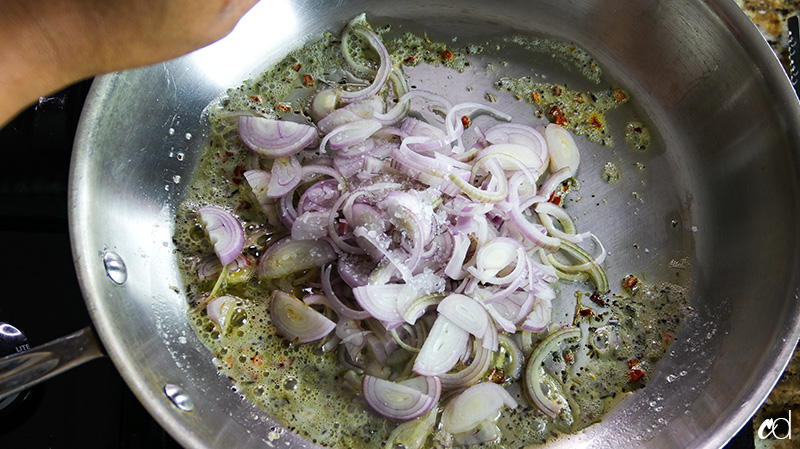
<point x="48" y="44"/>
<point x="132" y="33"/>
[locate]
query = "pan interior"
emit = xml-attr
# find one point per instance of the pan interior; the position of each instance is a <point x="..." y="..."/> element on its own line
<point x="714" y="208"/>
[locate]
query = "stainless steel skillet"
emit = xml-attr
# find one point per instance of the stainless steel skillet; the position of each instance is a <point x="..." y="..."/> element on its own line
<point x="720" y="191"/>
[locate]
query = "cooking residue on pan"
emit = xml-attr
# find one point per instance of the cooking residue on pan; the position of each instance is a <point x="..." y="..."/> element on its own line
<point x="611" y="173"/>
<point x="581" y="112"/>
<point x="378" y="267"/>
<point x="637" y="135"/>
<point x="569" y="54"/>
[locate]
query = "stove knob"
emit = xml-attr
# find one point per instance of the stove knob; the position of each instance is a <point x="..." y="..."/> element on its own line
<point x="12" y="341"/>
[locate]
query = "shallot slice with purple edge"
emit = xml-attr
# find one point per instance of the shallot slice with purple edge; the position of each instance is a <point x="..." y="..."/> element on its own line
<point x="224" y="231"/>
<point x="220" y="310"/>
<point x="285" y="175"/>
<point x="275" y="138"/>
<point x="296" y="321"/>
<point x="401" y="401"/>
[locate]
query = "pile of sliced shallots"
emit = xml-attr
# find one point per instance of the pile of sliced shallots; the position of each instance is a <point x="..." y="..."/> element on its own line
<point x="430" y="255"/>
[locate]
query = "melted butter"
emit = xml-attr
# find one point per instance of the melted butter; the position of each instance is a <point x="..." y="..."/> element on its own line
<point x="411" y="49"/>
<point x="570" y="54"/>
<point x="299" y="384"/>
<point x="610" y="173"/>
<point x="583" y="113"/>
<point x="637" y="135"/>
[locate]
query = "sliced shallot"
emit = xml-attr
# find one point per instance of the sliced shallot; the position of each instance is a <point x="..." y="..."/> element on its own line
<point x="476" y="404"/>
<point x="275" y="138"/>
<point x="224" y="231"/>
<point x="442" y="349"/>
<point x="384" y="69"/>
<point x="466" y="313"/>
<point x="286" y="174"/>
<point x="290" y="256"/>
<point x="534" y="372"/>
<point x="397" y="401"/>
<point x="296" y="321"/>
<point x="220" y="309"/>
<point x="381" y="301"/>
<point x="562" y="149"/>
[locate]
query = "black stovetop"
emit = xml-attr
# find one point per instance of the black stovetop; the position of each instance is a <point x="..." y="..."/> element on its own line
<point x="90" y="406"/>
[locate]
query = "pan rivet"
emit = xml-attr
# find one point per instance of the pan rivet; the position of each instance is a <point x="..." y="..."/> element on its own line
<point x="115" y="267"/>
<point x="178" y="397"/>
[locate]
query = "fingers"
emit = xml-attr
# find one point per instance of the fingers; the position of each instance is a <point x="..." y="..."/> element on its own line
<point x="231" y="12"/>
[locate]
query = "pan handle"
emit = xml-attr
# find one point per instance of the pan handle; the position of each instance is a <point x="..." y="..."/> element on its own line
<point x="25" y="369"/>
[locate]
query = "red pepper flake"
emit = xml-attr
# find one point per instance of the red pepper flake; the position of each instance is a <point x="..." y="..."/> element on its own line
<point x="256" y="360"/>
<point x="447" y="55"/>
<point x="496" y="376"/>
<point x="297" y="67"/>
<point x="569" y="357"/>
<point x="578" y="98"/>
<point x="667" y="337"/>
<point x="224" y="156"/>
<point x="555" y="198"/>
<point x="465" y="121"/>
<point x="557" y="115"/>
<point x="586" y="312"/>
<point x="595" y="297"/>
<point x="636" y="371"/>
<point x="282" y="364"/>
<point x="631" y="282"/>
<point x="410" y="60"/>
<point x="255" y="98"/>
<point x="244" y="205"/>
<point x="558" y="194"/>
<point x="238" y="170"/>
<point x="557" y="91"/>
<point x="536" y="97"/>
<point x="284" y="107"/>
<point x="308" y="80"/>
<point x="595" y="121"/>
<point x="620" y="95"/>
